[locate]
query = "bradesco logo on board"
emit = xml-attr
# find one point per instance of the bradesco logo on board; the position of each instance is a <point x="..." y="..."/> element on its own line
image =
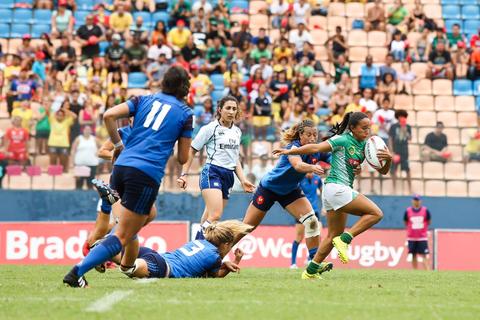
<point x="271" y="246"/>
<point x="61" y="243"/>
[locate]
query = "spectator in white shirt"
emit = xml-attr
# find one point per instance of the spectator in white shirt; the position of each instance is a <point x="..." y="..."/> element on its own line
<point x="157" y="49"/>
<point x="207" y="7"/>
<point x="261" y="169"/>
<point x="279" y="10"/>
<point x="368" y="102"/>
<point x="301" y="12"/>
<point x="384" y="118"/>
<point x="325" y="90"/>
<point x="299" y="36"/>
<point x="267" y="70"/>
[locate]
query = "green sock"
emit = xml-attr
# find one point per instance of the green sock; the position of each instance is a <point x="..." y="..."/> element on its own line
<point x="346" y="237"/>
<point x="313" y="267"/>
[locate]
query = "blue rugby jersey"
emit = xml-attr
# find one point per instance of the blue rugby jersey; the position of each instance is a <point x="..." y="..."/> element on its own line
<point x="159" y="121"/>
<point x="284" y="179"/>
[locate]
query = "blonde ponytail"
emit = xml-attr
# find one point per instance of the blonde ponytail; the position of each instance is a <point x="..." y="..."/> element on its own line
<point x="226" y="231"/>
<point x="295" y="131"/>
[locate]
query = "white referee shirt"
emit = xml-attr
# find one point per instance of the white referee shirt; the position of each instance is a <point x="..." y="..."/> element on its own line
<point x="222" y="144"/>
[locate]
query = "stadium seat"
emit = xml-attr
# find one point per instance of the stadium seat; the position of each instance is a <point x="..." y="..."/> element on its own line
<point x="319" y="37"/>
<point x="333" y="22"/>
<point x="403" y="101"/>
<point x="357" y="54"/>
<point x="471" y="26"/>
<point x="413" y="36"/>
<point x="470" y="12"/>
<point x="426" y="118"/>
<point x="377" y="39"/>
<point x="467" y="119"/>
<point x="423" y="86"/>
<point x="258" y="21"/>
<point x="451" y="12"/>
<point x="453" y="135"/>
<point x="4" y="30"/>
<point x="239" y="4"/>
<point x="457" y="152"/>
<point x="454" y="171"/>
<point x="217" y="95"/>
<point x="80" y="17"/>
<point x="449" y="118"/>
<point x="452" y="2"/>
<point x="441" y="87"/>
<point x="423" y="103"/>
<point x="85" y="4"/>
<point x="435" y="188"/>
<point x="416" y="169"/>
<point x="378" y="54"/>
<point x="418" y="186"/>
<point x="13" y="171"/>
<point x="217" y="81"/>
<point x="147" y="18"/>
<point x="357" y="38"/>
<point x="257" y="7"/>
<point x="18" y="30"/>
<point x="33" y="171"/>
<point x="42" y="16"/>
<point x="413" y="152"/>
<point x="6" y="15"/>
<point x="464" y="103"/>
<point x="457" y="189"/>
<point x="473" y="171"/>
<point x="468" y="2"/>
<point x="39" y="29"/>
<point x="54" y="171"/>
<point x="474" y="189"/>
<point x="160" y="16"/>
<point x="449" y="23"/>
<point x="7" y="4"/>
<point x="462" y="87"/>
<point x="22" y="16"/>
<point x="434" y="11"/>
<point x="137" y="80"/>
<point x="476" y="88"/>
<point x="419" y="68"/>
<point x="336" y="9"/>
<point x="355" y="10"/>
<point x="103" y="47"/>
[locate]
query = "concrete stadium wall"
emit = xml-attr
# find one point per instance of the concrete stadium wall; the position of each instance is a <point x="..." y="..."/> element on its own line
<point x="16" y="205"/>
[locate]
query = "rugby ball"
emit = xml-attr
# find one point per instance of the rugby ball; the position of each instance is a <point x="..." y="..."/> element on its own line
<point x="374" y="143"/>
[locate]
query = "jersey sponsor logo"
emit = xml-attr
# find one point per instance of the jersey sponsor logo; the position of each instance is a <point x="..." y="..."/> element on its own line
<point x="351" y="150"/>
<point x="354" y="162"/>
<point x="228" y="146"/>
<point x="260" y="200"/>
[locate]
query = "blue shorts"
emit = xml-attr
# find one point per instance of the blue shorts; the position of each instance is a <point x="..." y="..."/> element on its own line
<point x="136" y="189"/>
<point x="215" y="177"/>
<point x="418" y="247"/>
<point x="264" y="199"/>
<point x="156" y="264"/>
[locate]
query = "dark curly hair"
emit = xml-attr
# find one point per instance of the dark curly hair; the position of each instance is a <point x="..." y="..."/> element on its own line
<point x="176" y="82"/>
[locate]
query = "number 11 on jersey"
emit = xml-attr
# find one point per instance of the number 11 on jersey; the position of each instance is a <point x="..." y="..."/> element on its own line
<point x="157" y="106"/>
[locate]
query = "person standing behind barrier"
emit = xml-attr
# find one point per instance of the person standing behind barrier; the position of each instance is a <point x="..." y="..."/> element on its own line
<point x="417" y="219"/>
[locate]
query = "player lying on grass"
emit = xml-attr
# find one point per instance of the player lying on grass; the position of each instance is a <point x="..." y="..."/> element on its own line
<point x="338" y="197"/>
<point x="198" y="258"/>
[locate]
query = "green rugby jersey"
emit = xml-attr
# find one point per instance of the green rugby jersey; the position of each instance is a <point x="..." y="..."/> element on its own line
<point x="347" y="154"/>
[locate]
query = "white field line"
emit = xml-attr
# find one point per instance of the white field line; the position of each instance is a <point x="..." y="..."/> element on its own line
<point x="107" y="302"/>
<point x="146" y="280"/>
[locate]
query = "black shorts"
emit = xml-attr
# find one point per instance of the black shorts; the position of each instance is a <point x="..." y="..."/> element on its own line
<point x="264" y="199"/>
<point x="418" y="247"/>
<point x="156" y="264"/>
<point x="136" y="189"/>
<point x="59" y="150"/>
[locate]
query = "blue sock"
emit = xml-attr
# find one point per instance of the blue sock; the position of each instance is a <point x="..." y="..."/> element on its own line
<point x="311" y="253"/>
<point x="199" y="235"/>
<point x="101" y="253"/>
<point x="294" y="251"/>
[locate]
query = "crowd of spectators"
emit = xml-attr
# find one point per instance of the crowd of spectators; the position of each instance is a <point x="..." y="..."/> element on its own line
<point x="278" y="77"/>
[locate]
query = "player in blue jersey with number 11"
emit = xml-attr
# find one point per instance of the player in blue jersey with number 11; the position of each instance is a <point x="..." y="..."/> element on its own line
<point x="160" y="120"/>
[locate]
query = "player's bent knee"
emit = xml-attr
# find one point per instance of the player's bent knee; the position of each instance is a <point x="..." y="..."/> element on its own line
<point x="311" y="223"/>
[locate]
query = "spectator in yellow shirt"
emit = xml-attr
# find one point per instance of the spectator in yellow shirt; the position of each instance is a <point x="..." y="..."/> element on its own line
<point x="178" y="37"/>
<point x="354" y="106"/>
<point x="282" y="51"/>
<point x="200" y="84"/>
<point x="472" y="149"/>
<point x="59" y="138"/>
<point x="120" y="21"/>
<point x="24" y="112"/>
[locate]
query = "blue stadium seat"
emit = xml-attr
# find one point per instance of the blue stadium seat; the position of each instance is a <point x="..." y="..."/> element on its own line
<point x="22" y="16"/>
<point x="147" y="18"/>
<point x="217" y="95"/>
<point x="80" y="17"/>
<point x="462" y="88"/>
<point x="451" y="22"/>
<point x="476" y="88"/>
<point x="42" y="16"/>
<point x="455" y="2"/>
<point x="451" y="12"/>
<point x="160" y="16"/>
<point x="6" y="15"/>
<point x="103" y="47"/>
<point x="217" y="81"/>
<point x="7" y="4"/>
<point x="471" y="26"/>
<point x="470" y="12"/>
<point x="18" y="30"/>
<point x="4" y="30"/>
<point x="239" y="4"/>
<point x="198" y="109"/>
<point x="85" y="4"/>
<point x="478" y="105"/>
<point x="39" y="29"/>
<point x="137" y="80"/>
<point x="469" y="2"/>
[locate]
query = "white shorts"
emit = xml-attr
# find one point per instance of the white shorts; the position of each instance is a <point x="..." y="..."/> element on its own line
<point x="336" y="196"/>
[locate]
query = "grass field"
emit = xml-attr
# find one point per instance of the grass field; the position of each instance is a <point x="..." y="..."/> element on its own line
<point x="36" y="292"/>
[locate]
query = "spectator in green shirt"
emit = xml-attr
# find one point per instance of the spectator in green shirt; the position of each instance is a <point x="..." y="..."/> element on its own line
<point x="180" y="10"/>
<point x="454" y="37"/>
<point x="216" y="57"/>
<point x="341" y="68"/>
<point x="397" y="16"/>
<point x="261" y="51"/>
<point x="439" y="37"/>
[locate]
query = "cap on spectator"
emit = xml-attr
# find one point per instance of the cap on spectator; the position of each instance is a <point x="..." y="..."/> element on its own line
<point x="27" y="36"/>
<point x="180" y="23"/>
<point x="461" y="44"/>
<point x="62" y="3"/>
<point x="416" y="196"/>
<point x="117" y="37"/>
<point x="245" y="22"/>
<point x="40" y="55"/>
<point x="193" y="66"/>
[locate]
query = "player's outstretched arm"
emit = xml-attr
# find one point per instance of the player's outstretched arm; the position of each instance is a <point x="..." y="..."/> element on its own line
<point x="306" y="149"/>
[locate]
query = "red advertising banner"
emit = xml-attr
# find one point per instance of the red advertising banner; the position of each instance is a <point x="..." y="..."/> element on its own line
<point x="271" y="246"/>
<point x="457" y="249"/>
<point x="61" y="242"/>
